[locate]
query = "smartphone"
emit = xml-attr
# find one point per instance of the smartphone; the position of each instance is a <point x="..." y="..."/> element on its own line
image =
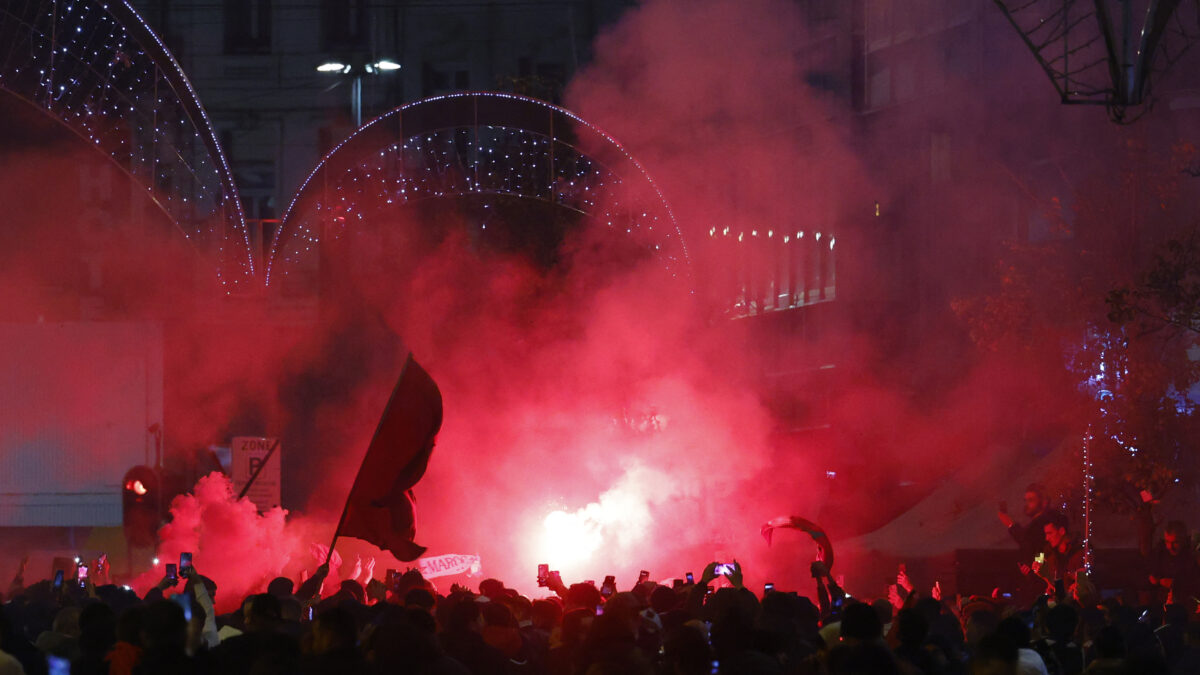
<point x="543" y="575"/>
<point x="81" y="574"/>
<point x="57" y="666"/>
<point x="609" y="586"/>
<point x="723" y="569"/>
<point x="1040" y="558"/>
<point x="172" y="573"/>
<point x="691" y="579"/>
<point x="390" y="577"/>
<point x="185" y="564"/>
<point x="643" y="577"/>
<point x="768" y="587"/>
<point x="309" y="612"/>
<point x="58" y="580"/>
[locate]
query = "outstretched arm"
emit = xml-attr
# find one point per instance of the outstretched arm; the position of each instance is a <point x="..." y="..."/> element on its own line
<point x="312" y="586"/>
<point x="808" y="527"/>
<point x="200" y="591"/>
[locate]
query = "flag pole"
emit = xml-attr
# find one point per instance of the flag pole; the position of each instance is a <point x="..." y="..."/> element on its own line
<point x="338" y="531"/>
<point x="346" y="509"/>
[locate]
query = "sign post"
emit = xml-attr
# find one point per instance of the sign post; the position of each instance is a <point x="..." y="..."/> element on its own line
<point x="255" y="469"/>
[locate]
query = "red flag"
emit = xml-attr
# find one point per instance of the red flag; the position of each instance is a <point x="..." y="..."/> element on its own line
<point x="380" y="506"/>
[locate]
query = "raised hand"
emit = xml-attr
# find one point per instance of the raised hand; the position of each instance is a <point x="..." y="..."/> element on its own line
<point x="735" y="577"/>
<point x="320" y="552"/>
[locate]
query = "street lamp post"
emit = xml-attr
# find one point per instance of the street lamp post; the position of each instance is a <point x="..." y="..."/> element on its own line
<point x="356" y="71"/>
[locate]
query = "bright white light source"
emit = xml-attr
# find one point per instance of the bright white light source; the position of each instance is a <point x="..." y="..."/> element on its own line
<point x="332" y="67"/>
<point x="569" y="538"/>
<point x="387" y="65"/>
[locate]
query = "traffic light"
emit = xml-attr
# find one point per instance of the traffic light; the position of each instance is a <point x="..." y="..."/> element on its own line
<point x="140" y="502"/>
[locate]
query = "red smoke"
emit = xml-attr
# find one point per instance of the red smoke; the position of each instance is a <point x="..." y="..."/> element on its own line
<point x="230" y="542"/>
<point x="600" y="416"/>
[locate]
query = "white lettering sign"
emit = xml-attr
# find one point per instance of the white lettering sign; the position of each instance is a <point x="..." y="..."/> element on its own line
<point x="446" y="565"/>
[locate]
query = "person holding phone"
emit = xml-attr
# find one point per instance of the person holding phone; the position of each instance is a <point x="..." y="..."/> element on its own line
<point x="170" y="580"/>
<point x="1031" y="537"/>
<point x="609" y="587"/>
<point x="1062" y="561"/>
<point x="731" y="571"/>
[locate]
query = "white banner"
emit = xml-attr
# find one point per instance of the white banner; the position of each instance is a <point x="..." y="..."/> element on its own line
<point x="446" y="565"/>
<point x="249" y="452"/>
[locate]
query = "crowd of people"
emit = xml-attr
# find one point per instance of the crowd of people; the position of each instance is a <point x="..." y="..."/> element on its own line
<point x="713" y="624"/>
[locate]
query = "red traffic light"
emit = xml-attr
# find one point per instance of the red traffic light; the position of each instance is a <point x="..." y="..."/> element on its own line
<point x="140" y="505"/>
<point x="136" y="487"/>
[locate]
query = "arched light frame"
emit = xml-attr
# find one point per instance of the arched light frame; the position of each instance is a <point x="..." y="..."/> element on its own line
<point x="98" y="69"/>
<point x="495" y="112"/>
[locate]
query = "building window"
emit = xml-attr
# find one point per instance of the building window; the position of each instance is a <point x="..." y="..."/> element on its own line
<point x="433" y="81"/>
<point x="439" y="78"/>
<point x="775" y="270"/>
<point x="247" y="26"/>
<point x="344" y="24"/>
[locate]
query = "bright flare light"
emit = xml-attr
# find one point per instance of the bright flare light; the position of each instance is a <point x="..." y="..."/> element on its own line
<point x="387" y="65"/>
<point x="569" y="539"/>
<point x="331" y="67"/>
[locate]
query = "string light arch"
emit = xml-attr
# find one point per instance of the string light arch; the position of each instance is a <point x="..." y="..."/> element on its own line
<point x="481" y="145"/>
<point x="102" y="72"/>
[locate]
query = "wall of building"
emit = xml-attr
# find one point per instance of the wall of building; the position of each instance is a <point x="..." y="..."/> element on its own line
<point x="253" y="64"/>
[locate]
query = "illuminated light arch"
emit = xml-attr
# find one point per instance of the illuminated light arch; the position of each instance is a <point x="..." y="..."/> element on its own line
<point x="99" y="70"/>
<point x="478" y="144"/>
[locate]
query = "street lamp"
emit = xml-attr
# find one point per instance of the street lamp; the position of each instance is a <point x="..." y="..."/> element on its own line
<point x="356" y="71"/>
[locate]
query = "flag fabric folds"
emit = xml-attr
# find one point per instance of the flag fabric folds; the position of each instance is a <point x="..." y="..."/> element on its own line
<point x="380" y="508"/>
